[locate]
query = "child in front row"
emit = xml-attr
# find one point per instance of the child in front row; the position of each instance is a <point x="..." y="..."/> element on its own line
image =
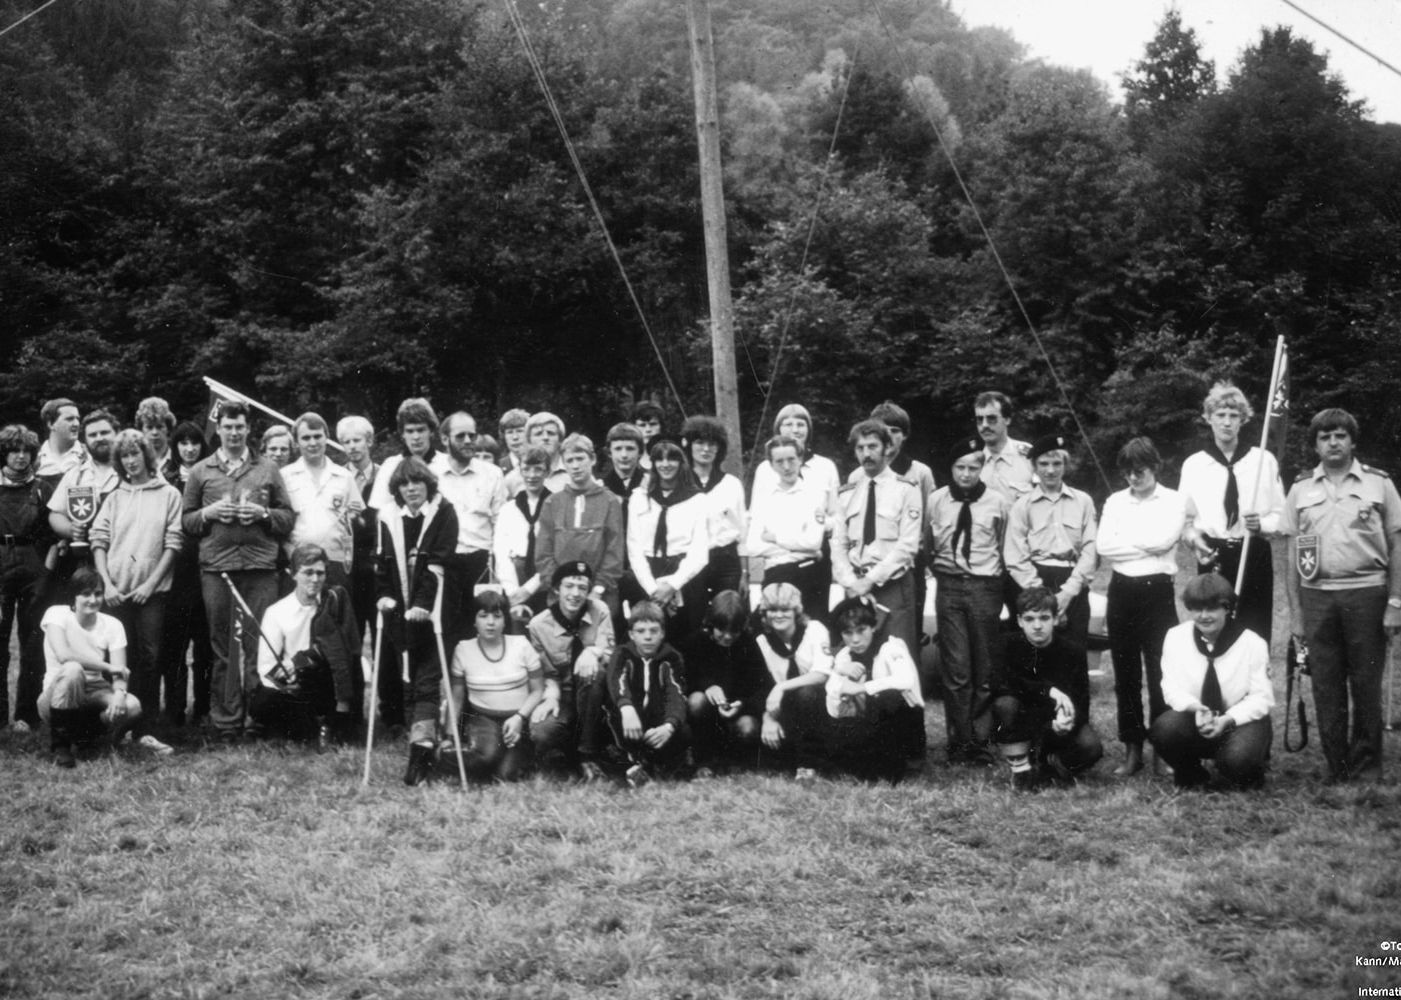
<point x="1042" y="707"/>
<point x="873" y="695"/>
<point x="646" y="702"/>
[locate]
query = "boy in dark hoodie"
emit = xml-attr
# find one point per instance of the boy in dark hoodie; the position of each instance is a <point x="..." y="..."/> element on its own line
<point x="646" y="699"/>
<point x="727" y="684"/>
<point x="1042" y="707"/>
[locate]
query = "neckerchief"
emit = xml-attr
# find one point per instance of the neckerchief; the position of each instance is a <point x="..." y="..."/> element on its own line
<point x="1232" y="499"/>
<point x="10" y="479"/>
<point x="716" y="474"/>
<point x="1212" y="697"/>
<point x="964" y="528"/>
<point x="684" y="491"/>
<point x="788" y="651"/>
<point x="866" y="659"/>
<point x="523" y="505"/>
<point x="573" y="629"/>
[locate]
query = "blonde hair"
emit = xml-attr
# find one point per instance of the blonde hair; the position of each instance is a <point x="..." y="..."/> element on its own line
<point x="1225" y="396"/>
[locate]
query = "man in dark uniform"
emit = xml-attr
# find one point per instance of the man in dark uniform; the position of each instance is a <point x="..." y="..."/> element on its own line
<point x="1343" y="520"/>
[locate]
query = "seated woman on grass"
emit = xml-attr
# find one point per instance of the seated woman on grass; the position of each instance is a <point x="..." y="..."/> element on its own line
<point x="502" y="681"/>
<point x="85" y="681"/>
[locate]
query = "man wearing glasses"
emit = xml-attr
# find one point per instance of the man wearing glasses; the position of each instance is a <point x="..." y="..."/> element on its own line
<point x="477" y="492"/>
<point x="1006" y="462"/>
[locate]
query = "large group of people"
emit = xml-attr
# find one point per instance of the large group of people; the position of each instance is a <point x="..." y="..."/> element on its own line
<point x="534" y="604"/>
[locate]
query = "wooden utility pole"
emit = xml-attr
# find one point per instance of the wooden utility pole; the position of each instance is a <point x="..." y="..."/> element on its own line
<point x="717" y="254"/>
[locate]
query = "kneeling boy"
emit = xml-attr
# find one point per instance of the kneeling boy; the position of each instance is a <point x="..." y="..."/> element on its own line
<point x="646" y="703"/>
<point x="1042" y="706"/>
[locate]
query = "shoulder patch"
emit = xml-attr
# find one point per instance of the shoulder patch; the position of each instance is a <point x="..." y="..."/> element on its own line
<point x="846" y="488"/>
<point x="1376" y="472"/>
<point x="907" y="481"/>
<point x="1303" y="475"/>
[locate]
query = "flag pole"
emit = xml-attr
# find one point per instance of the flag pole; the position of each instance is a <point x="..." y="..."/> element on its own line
<point x="1260" y="465"/>
<point x="220" y="389"/>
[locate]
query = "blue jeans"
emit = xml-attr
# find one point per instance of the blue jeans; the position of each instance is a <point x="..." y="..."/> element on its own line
<point x="144" y="624"/>
<point x="967" y="609"/>
<point x="228" y="681"/>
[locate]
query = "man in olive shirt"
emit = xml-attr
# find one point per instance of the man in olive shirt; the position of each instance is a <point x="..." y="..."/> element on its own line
<point x="237" y="508"/>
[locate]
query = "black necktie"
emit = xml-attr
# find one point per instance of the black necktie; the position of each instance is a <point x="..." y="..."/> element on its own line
<point x="659" y="537"/>
<point x="574" y="629"/>
<point x="868" y="527"/>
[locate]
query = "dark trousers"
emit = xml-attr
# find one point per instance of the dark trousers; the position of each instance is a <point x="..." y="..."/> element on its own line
<point x="1239" y="755"/>
<point x="1079" y="749"/>
<point x="463" y="571"/>
<point x="803" y="715"/>
<point x="724" y="571"/>
<point x="299" y="714"/>
<point x="1347" y="658"/>
<point x="17" y="615"/>
<point x="234" y="670"/>
<point x="1140" y="611"/>
<point x="144" y="625"/>
<point x="579" y="725"/>
<point x="967" y="609"/>
<point x="1255" y="603"/>
<point x="715" y="736"/>
<point x="625" y="752"/>
<point x="485" y="755"/>
<point x="810" y="580"/>
<point x="186" y="628"/>
<point x="880" y="738"/>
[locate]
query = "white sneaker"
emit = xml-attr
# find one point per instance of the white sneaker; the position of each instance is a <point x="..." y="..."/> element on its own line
<point x="156" y="746"/>
<point x="805" y="776"/>
<point x="20" y="726"/>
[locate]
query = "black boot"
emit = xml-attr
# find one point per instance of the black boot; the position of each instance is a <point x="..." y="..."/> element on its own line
<point x="420" y="763"/>
<point x="61" y="736"/>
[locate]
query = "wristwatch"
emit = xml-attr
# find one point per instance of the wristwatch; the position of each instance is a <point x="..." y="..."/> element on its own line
<point x="1393" y="602"/>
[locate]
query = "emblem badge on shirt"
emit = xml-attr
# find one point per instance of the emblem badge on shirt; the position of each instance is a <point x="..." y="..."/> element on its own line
<point x="1307" y="557"/>
<point x="81" y="504"/>
<point x="1364" y="514"/>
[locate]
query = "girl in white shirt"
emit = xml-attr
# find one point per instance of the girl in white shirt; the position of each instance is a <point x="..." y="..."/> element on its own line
<point x="1138" y="537"/>
<point x="706" y="444"/>
<point x="502" y="680"/>
<point x="669" y="539"/>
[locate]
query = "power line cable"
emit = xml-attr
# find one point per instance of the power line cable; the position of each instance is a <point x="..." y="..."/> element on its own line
<point x="26" y="17"/>
<point x="537" y="67"/>
<point x="1356" y="45"/>
<point x="992" y="246"/>
<point x="759" y="434"/>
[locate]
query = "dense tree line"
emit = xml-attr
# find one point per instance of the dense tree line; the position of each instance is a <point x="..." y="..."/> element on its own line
<point x="337" y="204"/>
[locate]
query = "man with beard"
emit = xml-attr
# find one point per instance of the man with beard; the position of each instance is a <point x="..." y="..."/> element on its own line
<point x="574" y="637"/>
<point x="80" y="492"/>
<point x="477" y="493"/>
<point x="877" y="532"/>
<point x="235" y="504"/>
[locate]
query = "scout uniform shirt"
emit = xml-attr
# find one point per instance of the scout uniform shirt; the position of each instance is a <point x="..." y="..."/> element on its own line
<point x="1008" y="471"/>
<point x="1343" y="532"/>
<point x="897" y="530"/>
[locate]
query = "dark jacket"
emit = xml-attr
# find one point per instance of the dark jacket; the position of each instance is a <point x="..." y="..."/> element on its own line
<point x="235" y="546"/>
<point x="412" y="586"/>
<point x="25" y="535"/>
<point x="660" y="702"/>
<point x="1030" y="673"/>
<point x="739" y="670"/>
<point x="337" y="637"/>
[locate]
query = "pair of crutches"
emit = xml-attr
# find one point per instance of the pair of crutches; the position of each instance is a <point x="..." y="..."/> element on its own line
<point x="437" y="618"/>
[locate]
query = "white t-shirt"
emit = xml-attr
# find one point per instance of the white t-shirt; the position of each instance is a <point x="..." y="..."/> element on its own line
<point x="105" y="636"/>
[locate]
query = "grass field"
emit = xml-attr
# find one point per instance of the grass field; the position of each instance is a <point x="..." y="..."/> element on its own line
<point x="263" y="873"/>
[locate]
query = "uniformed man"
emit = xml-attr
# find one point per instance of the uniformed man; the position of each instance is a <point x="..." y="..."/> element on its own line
<point x="1343" y="520"/>
<point x="1006" y="465"/>
<point x="877" y="532"/>
<point x="968" y="523"/>
<point x="1051" y="539"/>
<point x="477" y="492"/>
